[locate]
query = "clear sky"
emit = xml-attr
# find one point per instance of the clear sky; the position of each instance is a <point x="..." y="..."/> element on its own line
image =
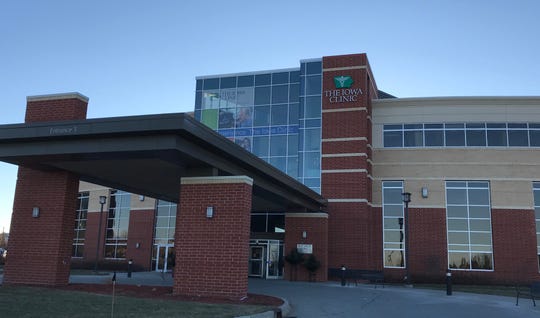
<point x="142" y="57"/>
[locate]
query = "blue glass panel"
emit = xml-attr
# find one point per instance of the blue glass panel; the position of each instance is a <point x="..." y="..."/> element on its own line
<point x="312" y="123"/>
<point x="314" y="68"/>
<point x="246" y="81"/>
<point x="279" y="162"/>
<point x="262" y="95"/>
<point x="262" y="79"/>
<point x="292" y="146"/>
<point x="226" y="132"/>
<point x="244" y="142"/>
<point x="260" y="145"/>
<point x="293" y="129"/>
<point x="278" y="145"/>
<point x="292" y="166"/>
<point x="243" y="132"/>
<point x="280" y="94"/>
<point x="313" y="107"/>
<point x="199" y="84"/>
<point x="278" y="130"/>
<point x="293" y="113"/>
<point x="262" y="116"/>
<point x="294" y="77"/>
<point x="211" y="83"/>
<point x="280" y="78"/>
<point x="226" y="118"/>
<point x="294" y="91"/>
<point x="313" y="85"/>
<point x="312" y="139"/>
<point x="228" y="82"/>
<point x="198" y="100"/>
<point x="198" y="115"/>
<point x="279" y="114"/>
<point x="312" y="165"/>
<point x="261" y="131"/>
<point x="244" y="117"/>
<point x="312" y="182"/>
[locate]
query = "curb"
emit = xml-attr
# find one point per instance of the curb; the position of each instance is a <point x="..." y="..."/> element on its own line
<point x="285" y="309"/>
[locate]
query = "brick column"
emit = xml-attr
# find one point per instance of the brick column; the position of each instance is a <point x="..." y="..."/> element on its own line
<point x="315" y="226"/>
<point x="40" y="247"/>
<point x="212" y="252"/>
<point x="348" y="88"/>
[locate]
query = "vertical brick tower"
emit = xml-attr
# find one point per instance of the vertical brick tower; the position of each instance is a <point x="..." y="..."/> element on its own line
<point x="353" y="228"/>
<point x="40" y="245"/>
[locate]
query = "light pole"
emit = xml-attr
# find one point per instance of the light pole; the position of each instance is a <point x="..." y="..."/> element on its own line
<point x="102" y="201"/>
<point x="406" y="197"/>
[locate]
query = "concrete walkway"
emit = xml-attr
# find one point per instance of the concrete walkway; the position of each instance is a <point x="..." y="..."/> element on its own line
<point x="319" y="300"/>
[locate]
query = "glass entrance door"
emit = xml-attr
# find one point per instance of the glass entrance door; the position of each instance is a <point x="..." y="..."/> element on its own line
<point x="274" y="267"/>
<point x="256" y="261"/>
<point x="163" y="258"/>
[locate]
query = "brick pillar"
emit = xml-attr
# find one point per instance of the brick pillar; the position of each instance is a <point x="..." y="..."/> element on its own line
<point x="212" y="253"/>
<point x="348" y="88"/>
<point x="40" y="247"/>
<point x="315" y="225"/>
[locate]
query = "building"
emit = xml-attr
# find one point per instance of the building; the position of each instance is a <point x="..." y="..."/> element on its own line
<point x="471" y="165"/>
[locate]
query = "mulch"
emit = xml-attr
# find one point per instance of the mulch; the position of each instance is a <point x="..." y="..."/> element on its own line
<point x="165" y="293"/>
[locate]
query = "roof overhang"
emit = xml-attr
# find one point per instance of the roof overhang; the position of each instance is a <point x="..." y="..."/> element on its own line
<point x="149" y="155"/>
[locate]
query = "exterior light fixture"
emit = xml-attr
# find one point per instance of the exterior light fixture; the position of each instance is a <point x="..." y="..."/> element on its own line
<point x="424" y="192"/>
<point x="102" y="201"/>
<point x="304" y="234"/>
<point x="210" y="212"/>
<point x="406" y="197"/>
<point x="137" y="245"/>
<point x="35" y="212"/>
<point x="141" y="198"/>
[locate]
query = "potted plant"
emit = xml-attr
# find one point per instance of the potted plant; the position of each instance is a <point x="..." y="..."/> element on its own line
<point x="312" y="264"/>
<point x="294" y="258"/>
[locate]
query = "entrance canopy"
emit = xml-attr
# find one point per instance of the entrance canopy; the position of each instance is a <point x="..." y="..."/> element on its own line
<point x="149" y="155"/>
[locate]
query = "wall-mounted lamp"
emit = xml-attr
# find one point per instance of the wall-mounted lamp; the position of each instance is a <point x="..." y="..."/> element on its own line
<point x="304" y="234"/>
<point x="137" y="245"/>
<point x="141" y="198"/>
<point x="35" y="212"/>
<point x="424" y="192"/>
<point x="210" y="212"/>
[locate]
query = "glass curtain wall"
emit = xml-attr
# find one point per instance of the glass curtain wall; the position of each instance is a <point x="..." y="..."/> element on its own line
<point x="117" y="225"/>
<point x="468" y="212"/>
<point x="276" y="115"/>
<point x="80" y="224"/>
<point x="393" y="225"/>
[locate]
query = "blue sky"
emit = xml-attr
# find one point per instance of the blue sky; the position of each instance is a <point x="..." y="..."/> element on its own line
<point x="142" y="57"/>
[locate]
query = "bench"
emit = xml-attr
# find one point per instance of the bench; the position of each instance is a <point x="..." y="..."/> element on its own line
<point x="356" y="275"/>
<point x="532" y="291"/>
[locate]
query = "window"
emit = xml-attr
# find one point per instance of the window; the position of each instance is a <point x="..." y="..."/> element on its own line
<point x="536" y="193"/>
<point x="165" y="222"/>
<point x="118" y="224"/>
<point x="80" y="224"/>
<point x="393" y="224"/>
<point x="462" y="135"/>
<point x="468" y="219"/>
<point x="268" y="222"/>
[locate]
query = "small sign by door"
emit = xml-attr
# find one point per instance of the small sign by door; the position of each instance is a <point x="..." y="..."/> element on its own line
<point x="305" y="248"/>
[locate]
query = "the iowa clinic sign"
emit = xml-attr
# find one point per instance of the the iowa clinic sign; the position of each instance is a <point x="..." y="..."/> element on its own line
<point x="343" y="93"/>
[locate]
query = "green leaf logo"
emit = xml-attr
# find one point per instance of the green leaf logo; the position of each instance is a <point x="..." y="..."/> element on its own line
<point x="343" y="81"/>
